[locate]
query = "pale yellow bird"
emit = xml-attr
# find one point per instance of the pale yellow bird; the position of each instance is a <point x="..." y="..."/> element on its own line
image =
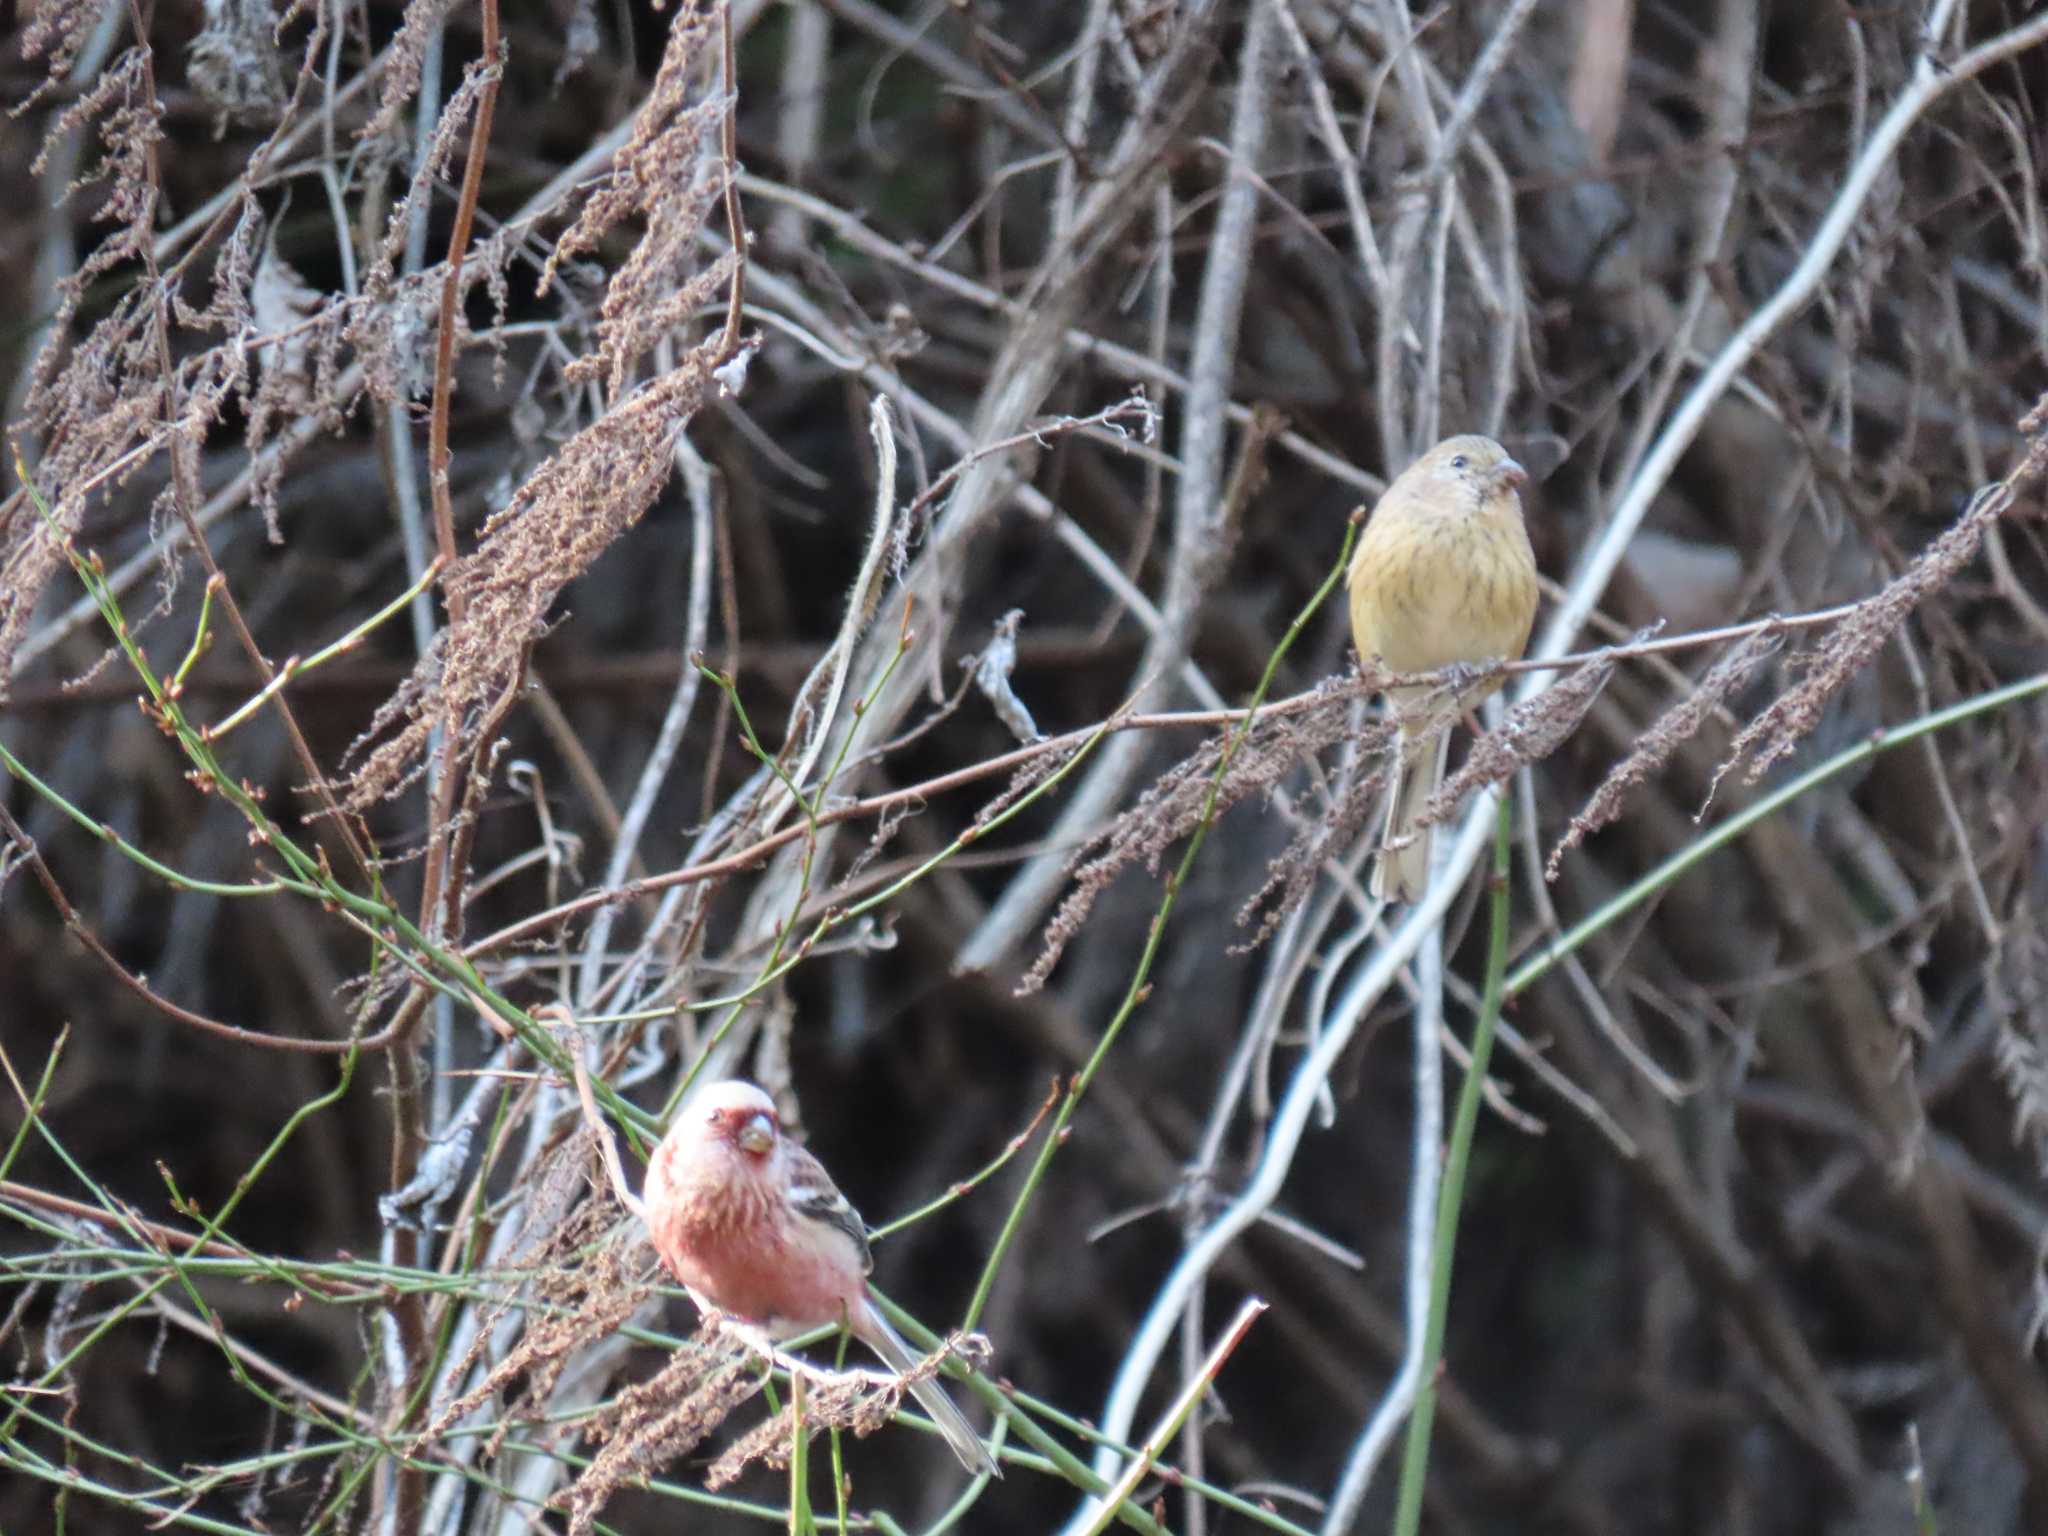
<point x="1443" y="576"/>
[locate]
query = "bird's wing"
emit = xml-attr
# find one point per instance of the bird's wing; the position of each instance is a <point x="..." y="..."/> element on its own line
<point x="816" y="1198"/>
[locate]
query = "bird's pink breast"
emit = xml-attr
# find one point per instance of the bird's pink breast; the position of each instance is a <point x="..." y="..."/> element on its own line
<point x="743" y="1251"/>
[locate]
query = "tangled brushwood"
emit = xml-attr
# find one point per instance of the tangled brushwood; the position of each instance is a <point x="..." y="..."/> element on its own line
<point x="564" y="552"/>
<point x="1194" y="792"/>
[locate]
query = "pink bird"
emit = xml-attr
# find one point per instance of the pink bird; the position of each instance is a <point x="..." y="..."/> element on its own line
<point x="753" y="1227"/>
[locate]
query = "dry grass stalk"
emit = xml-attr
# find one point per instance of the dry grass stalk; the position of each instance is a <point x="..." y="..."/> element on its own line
<point x="1678" y="725"/>
<point x="646" y="1427"/>
<point x="576" y="504"/>
<point x="55" y="32"/>
<point x="1533" y="730"/>
<point x="583" y="1284"/>
<point x="649" y="1425"/>
<point x="851" y="1401"/>
<point x="402" y="61"/>
<point x="661" y="175"/>
<point x="1173" y="806"/>
<point x="1292" y="873"/>
<point x="91" y="401"/>
<point x="450" y="132"/>
<point x="1851" y="644"/>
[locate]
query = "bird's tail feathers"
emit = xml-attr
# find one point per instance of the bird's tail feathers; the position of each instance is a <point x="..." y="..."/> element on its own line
<point x="1401" y="872"/>
<point x="897" y="1354"/>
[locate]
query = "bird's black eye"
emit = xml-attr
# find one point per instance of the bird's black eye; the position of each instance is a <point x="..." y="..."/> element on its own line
<point x="1459" y="461"/>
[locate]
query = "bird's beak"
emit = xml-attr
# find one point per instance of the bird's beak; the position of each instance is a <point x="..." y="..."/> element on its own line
<point x="757" y="1135"/>
<point x="1512" y="474"/>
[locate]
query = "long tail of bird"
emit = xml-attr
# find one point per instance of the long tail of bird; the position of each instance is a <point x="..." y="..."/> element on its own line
<point x="1402" y="871"/>
<point x="897" y="1354"/>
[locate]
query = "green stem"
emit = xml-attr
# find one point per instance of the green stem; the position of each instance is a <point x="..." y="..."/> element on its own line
<point x="32" y="1105"/>
<point x="1415" y="1461"/>
<point x="801" y="1521"/>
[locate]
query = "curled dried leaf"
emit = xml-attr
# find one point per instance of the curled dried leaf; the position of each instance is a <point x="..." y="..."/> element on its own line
<point x="992" y="676"/>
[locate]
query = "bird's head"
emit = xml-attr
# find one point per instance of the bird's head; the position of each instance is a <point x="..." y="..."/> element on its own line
<point x="1472" y="467"/>
<point x="736" y="1115"/>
